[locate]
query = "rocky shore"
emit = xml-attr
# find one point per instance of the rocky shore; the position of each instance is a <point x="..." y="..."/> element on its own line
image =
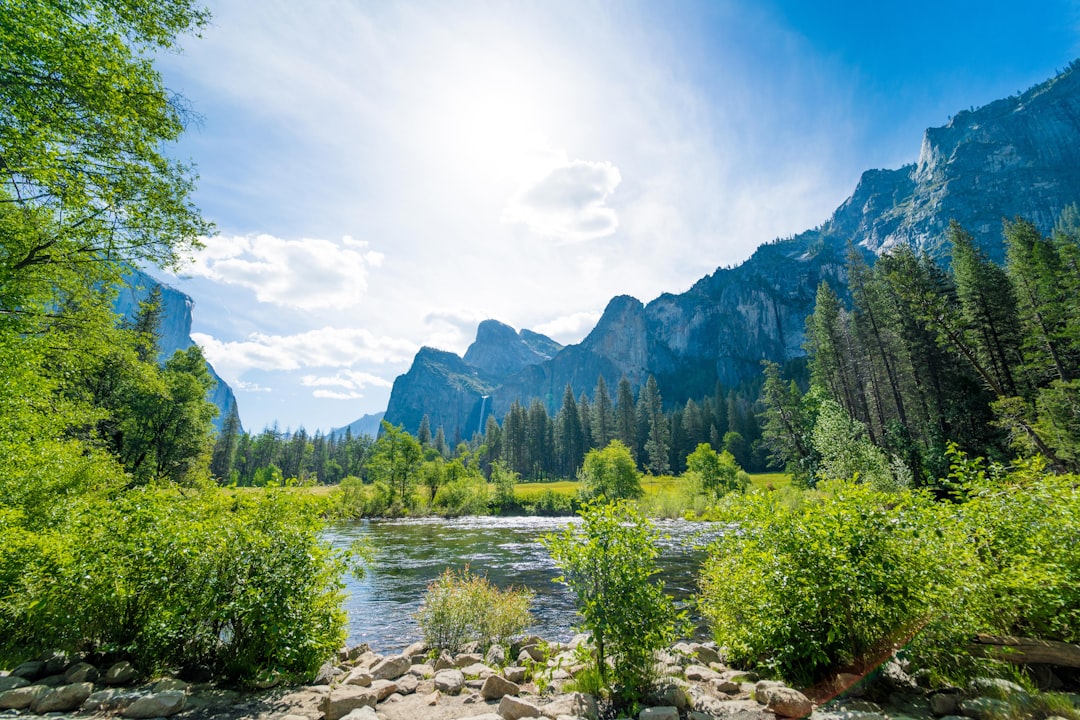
<point x="533" y="681"/>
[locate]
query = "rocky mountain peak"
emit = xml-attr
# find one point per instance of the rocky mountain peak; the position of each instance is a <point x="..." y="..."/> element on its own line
<point x="501" y="351"/>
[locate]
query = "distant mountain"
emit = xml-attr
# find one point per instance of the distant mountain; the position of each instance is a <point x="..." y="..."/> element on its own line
<point x="367" y="425"/>
<point x="1019" y="156"/>
<point x="174" y="329"/>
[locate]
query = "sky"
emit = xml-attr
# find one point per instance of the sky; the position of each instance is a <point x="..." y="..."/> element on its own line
<point x="384" y="176"/>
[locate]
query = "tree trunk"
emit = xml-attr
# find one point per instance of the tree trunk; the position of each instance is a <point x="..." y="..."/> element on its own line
<point x="1027" y="651"/>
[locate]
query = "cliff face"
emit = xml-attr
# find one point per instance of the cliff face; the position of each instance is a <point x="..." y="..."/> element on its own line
<point x="1018" y="156"/>
<point x="174" y="329"/>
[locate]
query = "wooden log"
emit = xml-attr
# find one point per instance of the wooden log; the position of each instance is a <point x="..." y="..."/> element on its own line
<point x="1027" y="651"/>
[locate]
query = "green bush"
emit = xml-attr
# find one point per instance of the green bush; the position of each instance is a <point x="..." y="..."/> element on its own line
<point x="461" y="608"/>
<point x="610" y="473"/>
<point x="609" y="560"/>
<point x="808" y="588"/>
<point x="465" y="495"/>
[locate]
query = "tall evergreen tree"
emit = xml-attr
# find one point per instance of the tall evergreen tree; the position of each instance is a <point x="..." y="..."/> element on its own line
<point x="651" y="415"/>
<point x="625" y="417"/>
<point x="603" y="415"/>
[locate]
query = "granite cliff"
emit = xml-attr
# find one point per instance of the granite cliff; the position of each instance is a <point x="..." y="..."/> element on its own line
<point x="174" y="329"/>
<point x="1019" y="156"/>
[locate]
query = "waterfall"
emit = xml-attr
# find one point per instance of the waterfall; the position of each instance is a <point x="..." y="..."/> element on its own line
<point x="483" y="404"/>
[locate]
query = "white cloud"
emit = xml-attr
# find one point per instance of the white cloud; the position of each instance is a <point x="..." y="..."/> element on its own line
<point x="568" y="202"/>
<point x="335" y="395"/>
<point x="308" y="274"/>
<point x="569" y="328"/>
<point x="324" y="347"/>
<point x="351" y="382"/>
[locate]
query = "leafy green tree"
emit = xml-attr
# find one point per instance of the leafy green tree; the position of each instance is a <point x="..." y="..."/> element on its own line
<point x="789" y="421"/>
<point x="611" y="473"/>
<point x="609" y="561"/>
<point x="395" y="458"/>
<point x="504" y="479"/>
<point x="718" y="473"/>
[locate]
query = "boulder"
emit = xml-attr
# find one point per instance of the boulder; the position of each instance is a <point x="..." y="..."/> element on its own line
<point x="445" y="661"/>
<point x="515" y="673"/>
<point x="466" y="659"/>
<point x="120" y="673"/>
<point x="23" y="697"/>
<point x="726" y="686"/>
<point x="391" y="668"/>
<point x="417" y="648"/>
<point x="699" y="673"/>
<point x="486" y="716"/>
<point x="343" y="700"/>
<point x="573" y="704"/>
<point x="64" y="698"/>
<point x="531" y="652"/>
<point x="705" y="654"/>
<point x="81" y="672"/>
<point x="996" y="688"/>
<point x="495" y="687"/>
<point x="944" y="703"/>
<point x="984" y="708"/>
<point x="168" y="684"/>
<point x="422" y="670"/>
<point x="358" y="676"/>
<point x="669" y="693"/>
<point x="11" y="682"/>
<point x="156" y="704"/>
<point x="53" y="681"/>
<point x="496" y="656"/>
<point x="109" y="700"/>
<point x="383" y="688"/>
<point x="55" y="662"/>
<point x="407" y="684"/>
<point x="784" y="701"/>
<point x="362" y="713"/>
<point x="512" y="708"/>
<point x="663" y="712"/>
<point x="449" y="681"/>
<point x="432" y="699"/>
<point x="477" y="670"/>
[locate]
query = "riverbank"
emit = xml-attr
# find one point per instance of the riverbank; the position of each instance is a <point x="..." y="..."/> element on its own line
<point x="535" y="679"/>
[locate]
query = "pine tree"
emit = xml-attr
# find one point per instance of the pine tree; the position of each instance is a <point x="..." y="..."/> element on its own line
<point x="603" y="415"/>
<point x="569" y="440"/>
<point x="625" y="417"/>
<point x="658" y="438"/>
<point x="423" y="435"/>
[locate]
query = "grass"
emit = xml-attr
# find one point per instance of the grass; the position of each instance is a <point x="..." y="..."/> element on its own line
<point x="652" y="485"/>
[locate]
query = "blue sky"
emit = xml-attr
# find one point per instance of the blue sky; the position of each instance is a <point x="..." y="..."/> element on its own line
<point x="386" y="175"/>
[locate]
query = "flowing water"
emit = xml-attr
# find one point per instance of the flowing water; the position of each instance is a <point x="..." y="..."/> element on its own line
<point x="410" y="553"/>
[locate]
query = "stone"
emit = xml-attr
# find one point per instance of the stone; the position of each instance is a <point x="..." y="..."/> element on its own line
<point x="383" y="689"/>
<point x="109" y="700"/>
<point x="407" y="684"/>
<point x="661" y="712"/>
<point x="11" y="682"/>
<point x="784" y="701"/>
<point x="445" y="661"/>
<point x="472" y="699"/>
<point x="53" y="681"/>
<point x="168" y="684"/>
<point x="573" y="704"/>
<point x="422" y="670"/>
<point x="496" y="656"/>
<point x="669" y="693"/>
<point x="30" y="670"/>
<point x="64" y="698"/>
<point x="391" y="668"/>
<point x="477" y="670"/>
<point x="485" y="716"/>
<point x="55" y="662"/>
<point x="417" y="648"/>
<point x="432" y="699"/>
<point x="495" y="687"/>
<point x="944" y="703"/>
<point x="23" y="697"/>
<point x="466" y="659"/>
<point x="358" y="676"/>
<point x="515" y="673"/>
<point x="705" y="654"/>
<point x="367" y="660"/>
<point x="449" y="681"/>
<point x="984" y="708"/>
<point x="157" y="704"/>
<point x="120" y="673"/>
<point x="81" y="672"/>
<point x="699" y="673"/>
<point x="996" y="688"/>
<point x="342" y="700"/>
<point x="361" y="713"/>
<point x="531" y="652"/>
<point x="512" y="708"/>
<point x="725" y="686"/>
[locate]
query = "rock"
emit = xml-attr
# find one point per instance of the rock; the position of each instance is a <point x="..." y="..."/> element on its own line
<point x="496" y="656"/>
<point x="662" y="712"/>
<point x="81" y="672"/>
<point x="495" y="687"/>
<point x="432" y="699"/>
<point x="157" y="704"/>
<point x="515" y="673"/>
<point x="531" y="652"/>
<point x="367" y="660"/>
<point x="407" y="684"/>
<point x="472" y="699"/>
<point x="996" y="688"/>
<point x="362" y="713"/>
<point x="485" y="716"/>
<point x="726" y="686"/>
<point x="64" y="698"/>
<point x="466" y="659"/>
<point x="705" y="654"/>
<point x="168" y="684"/>
<point x="669" y="693"/>
<point x="344" y="699"/>
<point x="354" y="653"/>
<point x="573" y="704"/>
<point x="417" y="648"/>
<point x="120" y="673"/>
<point x="55" y="662"/>
<point x="30" y="670"/>
<point x="23" y="697"/>
<point x="109" y="700"/>
<point x="391" y="668"/>
<point x="699" y="673"/>
<point x="445" y="662"/>
<point x="449" y="681"/>
<point x="11" y="682"/>
<point x="984" y="708"/>
<point x="422" y="671"/>
<point x="53" y="681"/>
<point x="477" y="670"/>
<point x="944" y="703"/>
<point x="358" y="676"/>
<point x="512" y="708"/>
<point x="761" y="686"/>
<point x="383" y="689"/>
<point x="784" y="701"/>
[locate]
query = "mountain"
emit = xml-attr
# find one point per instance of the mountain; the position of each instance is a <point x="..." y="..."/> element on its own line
<point x="174" y="329"/>
<point x="1019" y="156"/>
<point x="367" y="425"/>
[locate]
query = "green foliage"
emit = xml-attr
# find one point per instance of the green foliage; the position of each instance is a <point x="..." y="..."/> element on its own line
<point x="504" y="479"/>
<point x="611" y="473"/>
<point x="461" y="608"/>
<point x="609" y="561"/>
<point x="395" y="458"/>
<point x="465" y="493"/>
<point x="845" y="451"/>
<point x="717" y="473"/>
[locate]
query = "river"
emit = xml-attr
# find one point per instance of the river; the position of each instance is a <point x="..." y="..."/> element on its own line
<point x="410" y="553"/>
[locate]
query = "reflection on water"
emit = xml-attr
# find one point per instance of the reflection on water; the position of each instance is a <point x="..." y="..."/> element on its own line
<point x="410" y="553"/>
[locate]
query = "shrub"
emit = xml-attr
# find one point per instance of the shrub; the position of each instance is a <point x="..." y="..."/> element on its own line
<point x="465" y="495"/>
<point x="609" y="561"/>
<point x="611" y="473"/>
<point x="461" y="608"/>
